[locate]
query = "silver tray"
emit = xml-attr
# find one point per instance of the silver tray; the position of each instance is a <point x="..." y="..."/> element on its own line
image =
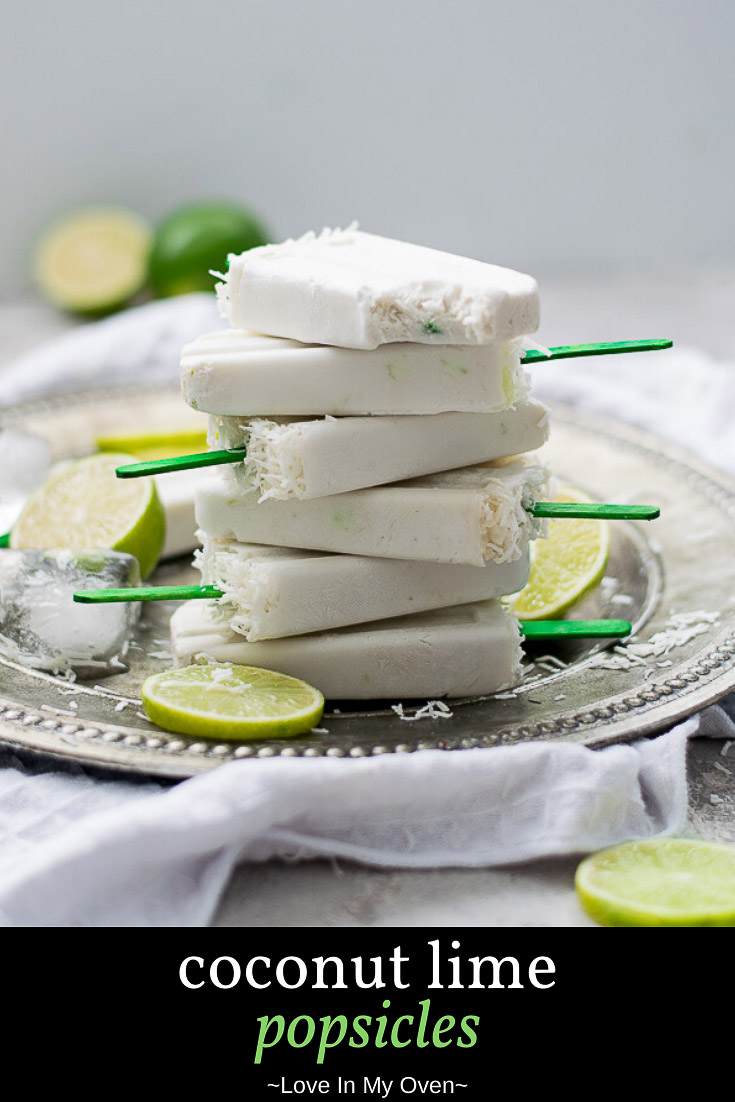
<point x="682" y="563"/>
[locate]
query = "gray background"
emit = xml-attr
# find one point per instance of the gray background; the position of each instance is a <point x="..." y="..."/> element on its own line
<point x="558" y="136"/>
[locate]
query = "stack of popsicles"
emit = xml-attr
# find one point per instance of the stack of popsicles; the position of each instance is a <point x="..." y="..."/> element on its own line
<point x="364" y="539"/>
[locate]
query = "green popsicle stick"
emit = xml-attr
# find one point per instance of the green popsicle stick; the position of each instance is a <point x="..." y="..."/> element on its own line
<point x="5" y="539"/>
<point x="604" y="348"/>
<point x="592" y="510"/>
<point x="575" y="629"/>
<point x="181" y="463"/>
<point x="148" y="593"/>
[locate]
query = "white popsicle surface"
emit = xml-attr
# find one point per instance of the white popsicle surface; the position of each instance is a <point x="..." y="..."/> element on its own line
<point x="473" y="515"/>
<point x="176" y="491"/>
<point x="359" y="290"/>
<point x="274" y="591"/>
<point x="307" y="459"/>
<point x="468" y="650"/>
<point x="250" y="375"/>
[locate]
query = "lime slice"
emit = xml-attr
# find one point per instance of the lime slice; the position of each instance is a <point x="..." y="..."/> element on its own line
<point x="155" y="445"/>
<point x="84" y="505"/>
<point x="195" y="240"/>
<point x="231" y="702"/>
<point x="660" y="882"/>
<point x="94" y="261"/>
<point x="564" y="566"/>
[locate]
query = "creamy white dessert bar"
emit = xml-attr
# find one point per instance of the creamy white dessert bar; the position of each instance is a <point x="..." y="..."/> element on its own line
<point x="305" y="459"/>
<point x="272" y="592"/>
<point x="359" y="290"/>
<point x="469" y="650"/>
<point x="473" y="515"/>
<point x="249" y="375"/>
<point x="176" y="491"/>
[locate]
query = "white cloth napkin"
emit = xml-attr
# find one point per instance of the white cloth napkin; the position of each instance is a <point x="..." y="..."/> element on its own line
<point x="81" y="851"/>
<point x="102" y="853"/>
<point x="140" y="345"/>
<point x="680" y="394"/>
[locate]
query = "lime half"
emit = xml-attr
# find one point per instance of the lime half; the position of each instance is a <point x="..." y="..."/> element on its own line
<point x="231" y="702"/>
<point x="94" y="261"/>
<point x="196" y="239"/>
<point x="564" y="566"/>
<point x="84" y="505"/>
<point x="660" y="882"/>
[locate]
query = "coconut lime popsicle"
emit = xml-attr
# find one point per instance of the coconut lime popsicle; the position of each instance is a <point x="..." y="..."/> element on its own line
<point x="359" y="290"/>
<point x="474" y="515"/>
<point x="305" y="459"/>
<point x="250" y="375"/>
<point x="467" y="650"/>
<point x="270" y="592"/>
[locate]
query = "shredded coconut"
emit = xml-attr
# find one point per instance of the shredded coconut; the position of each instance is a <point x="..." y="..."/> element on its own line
<point x="273" y="465"/>
<point x="550" y="661"/>
<point x="222" y="673"/>
<point x="58" y="711"/>
<point x="220" y="682"/>
<point x="109" y="692"/>
<point x="680" y="629"/>
<point x="507" y="522"/>
<point x="527" y="344"/>
<point x="245" y="584"/>
<point x="433" y="709"/>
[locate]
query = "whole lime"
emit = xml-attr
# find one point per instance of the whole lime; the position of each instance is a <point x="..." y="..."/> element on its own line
<point x="196" y="239"/>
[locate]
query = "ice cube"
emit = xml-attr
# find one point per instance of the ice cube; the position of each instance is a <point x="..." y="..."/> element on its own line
<point x="24" y="463"/>
<point x="42" y="627"/>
